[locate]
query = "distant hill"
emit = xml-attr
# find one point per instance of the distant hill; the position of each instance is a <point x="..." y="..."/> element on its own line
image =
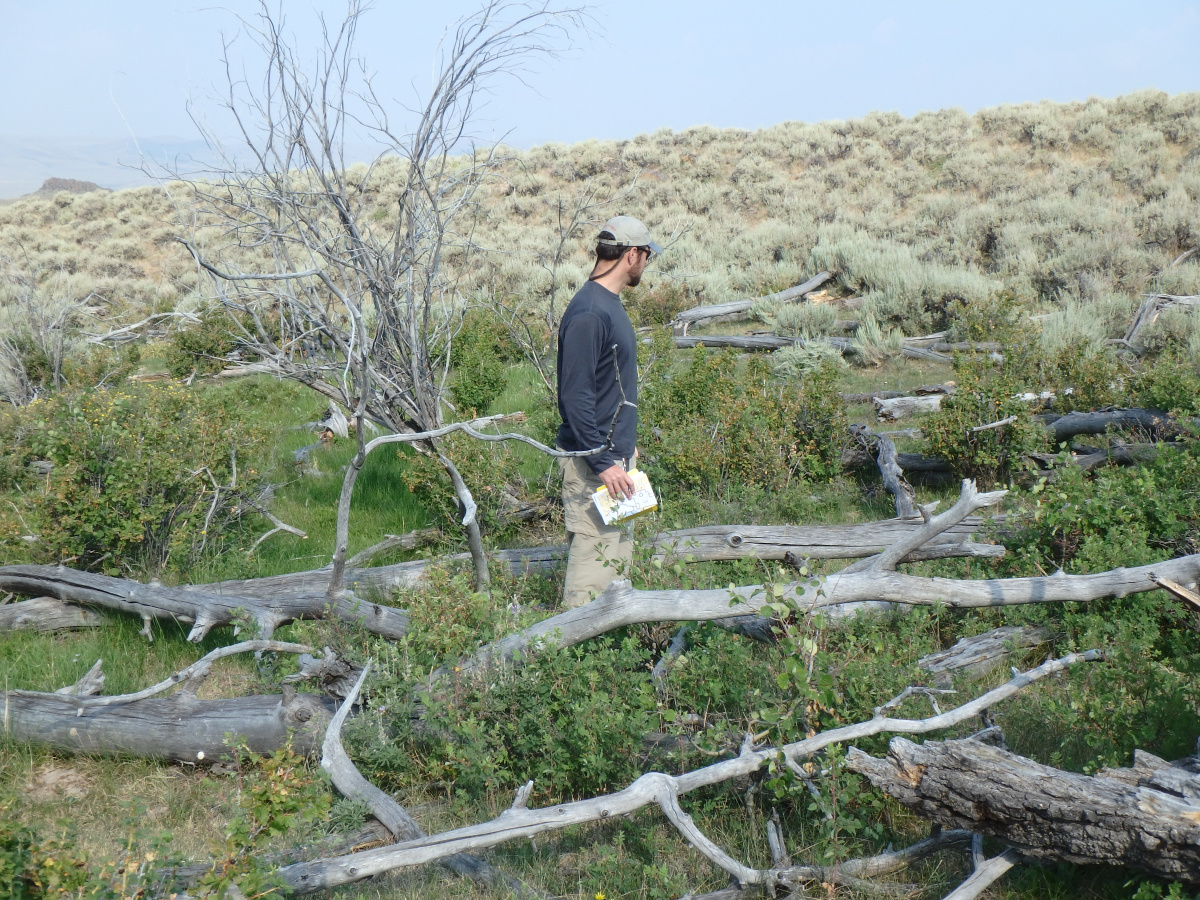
<point x="114" y="163"/>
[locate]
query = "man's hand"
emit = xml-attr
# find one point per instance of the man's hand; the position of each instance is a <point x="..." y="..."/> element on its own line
<point x="617" y="481"/>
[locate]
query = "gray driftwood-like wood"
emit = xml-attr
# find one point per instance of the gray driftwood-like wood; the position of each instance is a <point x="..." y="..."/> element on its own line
<point x="1041" y="812"/>
<point x="974" y="657"/>
<point x="761" y="342"/>
<point x="1151" y="309"/>
<point x="46" y="614"/>
<point x="203" y="606"/>
<point x="279" y="598"/>
<point x="653" y="788"/>
<point x="884" y="452"/>
<point x="689" y="317"/>
<point x="1065" y="427"/>
<point x="890" y="410"/>
<point x="180" y="727"/>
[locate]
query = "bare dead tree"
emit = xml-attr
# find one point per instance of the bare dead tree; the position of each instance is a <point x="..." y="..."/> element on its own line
<point x="321" y="288"/>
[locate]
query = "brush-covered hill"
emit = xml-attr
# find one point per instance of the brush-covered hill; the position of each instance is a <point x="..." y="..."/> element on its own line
<point x="1054" y="201"/>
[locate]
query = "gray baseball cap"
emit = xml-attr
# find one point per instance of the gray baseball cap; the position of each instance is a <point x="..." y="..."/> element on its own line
<point x="628" y="232"/>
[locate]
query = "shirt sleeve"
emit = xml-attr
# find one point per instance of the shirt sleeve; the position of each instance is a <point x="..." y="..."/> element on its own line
<point x="583" y="352"/>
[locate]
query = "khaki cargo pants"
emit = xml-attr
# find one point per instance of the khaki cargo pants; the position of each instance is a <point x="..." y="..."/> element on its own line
<point x="594" y="550"/>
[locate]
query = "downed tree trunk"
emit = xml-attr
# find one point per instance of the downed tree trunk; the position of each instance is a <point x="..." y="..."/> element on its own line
<point x="1154" y="421"/>
<point x="689" y="317"/>
<point x="46" y="614"/>
<point x="1046" y="813"/>
<point x="889" y="469"/>
<point x="891" y="409"/>
<point x="974" y="657"/>
<point x="180" y="728"/>
<point x="1149" y="312"/>
<point x="280" y="598"/>
<point x="205" y="606"/>
<point x="1120" y="455"/>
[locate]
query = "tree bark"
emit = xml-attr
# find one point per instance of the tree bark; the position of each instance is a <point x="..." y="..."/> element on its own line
<point x="974" y="657"/>
<point x="1045" y="813"/>
<point x="179" y="728"/>
<point x="46" y="614"/>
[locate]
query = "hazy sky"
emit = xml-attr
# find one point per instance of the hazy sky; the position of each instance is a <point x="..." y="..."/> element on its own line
<point x="104" y="68"/>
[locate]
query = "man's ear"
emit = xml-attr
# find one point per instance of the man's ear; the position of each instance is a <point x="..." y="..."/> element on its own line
<point x="631" y="256"/>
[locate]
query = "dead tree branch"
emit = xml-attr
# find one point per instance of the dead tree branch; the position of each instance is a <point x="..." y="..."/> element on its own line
<point x="652" y="788"/>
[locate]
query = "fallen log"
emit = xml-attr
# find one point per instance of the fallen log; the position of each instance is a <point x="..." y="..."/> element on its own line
<point x="1154" y="421"/>
<point x="892" y="474"/>
<point x="976" y="656"/>
<point x="760" y="342"/>
<point x="689" y="317"/>
<point x="1045" y="813"/>
<point x="889" y="409"/>
<point x="204" y="606"/>
<point x="46" y="614"/>
<point x="180" y="727"/>
<point x="1150" y="310"/>
<point x="276" y="599"/>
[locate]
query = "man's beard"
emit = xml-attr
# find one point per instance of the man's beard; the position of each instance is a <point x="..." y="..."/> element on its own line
<point x="635" y="280"/>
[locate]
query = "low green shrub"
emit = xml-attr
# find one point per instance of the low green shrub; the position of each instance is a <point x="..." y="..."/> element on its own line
<point x="133" y="480"/>
<point x="552" y="720"/>
<point x="203" y="347"/>
<point x="727" y="421"/>
<point x="479" y="358"/>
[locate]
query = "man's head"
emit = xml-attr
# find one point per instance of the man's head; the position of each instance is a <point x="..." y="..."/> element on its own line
<point x="623" y="250"/>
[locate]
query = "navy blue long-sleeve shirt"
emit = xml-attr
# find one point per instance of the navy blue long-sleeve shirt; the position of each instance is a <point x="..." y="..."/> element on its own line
<point x="588" y="395"/>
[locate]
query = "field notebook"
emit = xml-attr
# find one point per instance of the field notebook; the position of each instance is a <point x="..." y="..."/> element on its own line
<point x="614" y="511"/>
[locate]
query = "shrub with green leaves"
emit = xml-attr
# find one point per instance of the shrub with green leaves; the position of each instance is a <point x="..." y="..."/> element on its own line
<point x="552" y="720"/>
<point x="478" y="357"/>
<point x="131" y="482"/>
<point x="725" y="420"/>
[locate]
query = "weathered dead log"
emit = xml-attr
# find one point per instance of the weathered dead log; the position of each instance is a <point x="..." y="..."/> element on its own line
<point x="46" y="614"/>
<point x="775" y="542"/>
<point x="205" y="606"/>
<point x="966" y="347"/>
<point x="868" y="396"/>
<point x="180" y="727"/>
<point x="711" y="542"/>
<point x="1042" y="812"/>
<point x="892" y="409"/>
<point x="1120" y="455"/>
<point x="1064" y="427"/>
<point x="976" y="656"/>
<point x="652" y="788"/>
<point x="689" y="317"/>
<point x="1150" y="310"/>
<point x="752" y="342"/>
<point x="925" y="354"/>
<point x="889" y="469"/>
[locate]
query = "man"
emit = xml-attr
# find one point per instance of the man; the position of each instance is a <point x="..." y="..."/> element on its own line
<point x="597" y="399"/>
